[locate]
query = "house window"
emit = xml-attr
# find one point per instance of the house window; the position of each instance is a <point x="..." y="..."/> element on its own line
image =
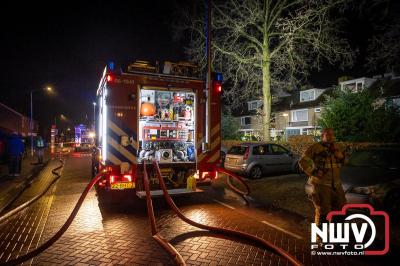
<point x="308" y="95"/>
<point x="393" y="103"/>
<point x="246" y="120"/>
<point x="299" y="115"/>
<point x="359" y="86"/>
<point x="253" y="105"/>
<point x="317" y="110"/>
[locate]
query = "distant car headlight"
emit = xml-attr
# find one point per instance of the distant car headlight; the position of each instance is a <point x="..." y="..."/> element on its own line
<point x="362" y="190"/>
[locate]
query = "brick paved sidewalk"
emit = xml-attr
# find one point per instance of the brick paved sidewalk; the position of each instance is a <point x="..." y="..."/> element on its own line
<point x="22" y="231"/>
<point x="11" y="187"/>
<point x="120" y="235"/>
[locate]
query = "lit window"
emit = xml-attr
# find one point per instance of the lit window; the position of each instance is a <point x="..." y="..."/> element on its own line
<point x="300" y="115"/>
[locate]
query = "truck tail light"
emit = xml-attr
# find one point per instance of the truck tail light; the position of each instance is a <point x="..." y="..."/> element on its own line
<point x="128" y="178"/>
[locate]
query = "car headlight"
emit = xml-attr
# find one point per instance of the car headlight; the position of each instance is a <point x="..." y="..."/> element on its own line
<point x="363" y="190"/>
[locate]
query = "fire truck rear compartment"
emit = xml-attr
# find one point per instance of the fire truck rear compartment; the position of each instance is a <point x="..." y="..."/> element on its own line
<point x="167" y="126"/>
<point x="167" y="123"/>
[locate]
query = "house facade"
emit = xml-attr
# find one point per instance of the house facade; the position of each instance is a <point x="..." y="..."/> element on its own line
<point x="385" y="88"/>
<point x="250" y="119"/>
<point x="298" y="113"/>
<point x="357" y="85"/>
<point x="292" y="114"/>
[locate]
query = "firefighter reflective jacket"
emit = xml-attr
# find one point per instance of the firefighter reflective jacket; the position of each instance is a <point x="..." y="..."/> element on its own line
<point x="321" y="158"/>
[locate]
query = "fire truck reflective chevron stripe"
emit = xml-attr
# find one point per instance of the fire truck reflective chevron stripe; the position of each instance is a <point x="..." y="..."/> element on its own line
<point x="215" y="130"/>
<point x="214" y="153"/>
<point x="214" y="150"/>
<point x="116" y="152"/>
<point x="215" y="142"/>
<point x="214" y="157"/>
<point x="120" y="151"/>
<point x="126" y="132"/>
<point x="112" y="159"/>
<point x="117" y="137"/>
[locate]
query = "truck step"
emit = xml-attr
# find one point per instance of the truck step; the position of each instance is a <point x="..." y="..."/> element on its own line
<point x="172" y="192"/>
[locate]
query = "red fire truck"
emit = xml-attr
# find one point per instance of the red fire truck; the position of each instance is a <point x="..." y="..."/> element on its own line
<point x="149" y="113"/>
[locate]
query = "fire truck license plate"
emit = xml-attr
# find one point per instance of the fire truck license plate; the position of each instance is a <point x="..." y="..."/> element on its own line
<point x="124" y="185"/>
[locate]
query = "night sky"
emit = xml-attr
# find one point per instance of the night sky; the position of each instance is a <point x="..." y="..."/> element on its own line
<point x="66" y="44"/>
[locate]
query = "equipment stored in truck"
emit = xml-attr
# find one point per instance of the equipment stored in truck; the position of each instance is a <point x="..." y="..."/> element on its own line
<point x="147" y="113"/>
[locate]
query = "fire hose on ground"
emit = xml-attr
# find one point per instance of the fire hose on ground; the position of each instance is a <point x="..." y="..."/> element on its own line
<point x="162" y="241"/>
<point x="217" y="230"/>
<point x="34" y="199"/>
<point x="60" y="232"/>
<point x="238" y="178"/>
<point x="150" y="211"/>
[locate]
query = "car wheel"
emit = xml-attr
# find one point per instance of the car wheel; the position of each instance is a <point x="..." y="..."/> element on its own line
<point x="255" y="172"/>
<point x="392" y="203"/>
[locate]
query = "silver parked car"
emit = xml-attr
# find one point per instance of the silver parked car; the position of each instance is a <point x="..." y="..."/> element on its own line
<point x="256" y="159"/>
<point x="372" y="176"/>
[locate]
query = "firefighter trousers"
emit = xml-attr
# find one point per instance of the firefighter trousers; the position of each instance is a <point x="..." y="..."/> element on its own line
<point x="325" y="199"/>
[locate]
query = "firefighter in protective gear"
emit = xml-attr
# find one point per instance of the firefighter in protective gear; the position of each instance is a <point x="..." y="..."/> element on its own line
<point x="322" y="162"/>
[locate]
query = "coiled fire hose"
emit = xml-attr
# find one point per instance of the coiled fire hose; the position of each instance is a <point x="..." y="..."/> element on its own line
<point x="219" y="230"/>
<point x="150" y="211"/>
<point x="60" y="232"/>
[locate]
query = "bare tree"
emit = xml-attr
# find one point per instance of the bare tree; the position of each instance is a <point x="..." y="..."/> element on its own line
<point x="261" y="45"/>
<point x="384" y="49"/>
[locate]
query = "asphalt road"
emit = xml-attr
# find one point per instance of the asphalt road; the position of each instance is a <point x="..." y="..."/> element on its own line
<point x="119" y="234"/>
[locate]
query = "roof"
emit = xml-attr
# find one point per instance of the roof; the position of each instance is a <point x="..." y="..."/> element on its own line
<point x="289" y="102"/>
<point x="243" y="110"/>
<point x="351" y="81"/>
<point x="385" y="88"/>
<point x="292" y="102"/>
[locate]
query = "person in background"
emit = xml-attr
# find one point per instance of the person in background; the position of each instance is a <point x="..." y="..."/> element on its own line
<point x="39" y="146"/>
<point x="15" y="149"/>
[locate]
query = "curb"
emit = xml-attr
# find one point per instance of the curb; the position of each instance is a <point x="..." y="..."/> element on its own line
<point x="35" y="198"/>
<point x="23" y="185"/>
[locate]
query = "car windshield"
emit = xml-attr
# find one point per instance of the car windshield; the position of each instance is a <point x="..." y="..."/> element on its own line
<point x="238" y="150"/>
<point x="386" y="158"/>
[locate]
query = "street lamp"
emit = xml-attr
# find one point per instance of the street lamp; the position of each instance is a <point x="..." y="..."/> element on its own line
<point x="48" y="89"/>
<point x="94" y="116"/>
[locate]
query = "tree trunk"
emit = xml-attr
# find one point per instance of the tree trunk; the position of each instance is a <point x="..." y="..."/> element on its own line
<point x="267" y="99"/>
